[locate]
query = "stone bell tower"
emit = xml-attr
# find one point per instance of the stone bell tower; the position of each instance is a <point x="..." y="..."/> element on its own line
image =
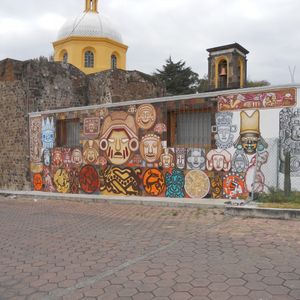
<point x="227" y="67"/>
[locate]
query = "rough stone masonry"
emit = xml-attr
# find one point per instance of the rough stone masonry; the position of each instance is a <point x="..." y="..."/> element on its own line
<point x="39" y="85"/>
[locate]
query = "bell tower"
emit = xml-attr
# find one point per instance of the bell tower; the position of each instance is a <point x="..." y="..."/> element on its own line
<point x="227" y="67"/>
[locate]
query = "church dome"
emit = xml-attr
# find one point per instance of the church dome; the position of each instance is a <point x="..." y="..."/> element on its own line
<point x="90" y="24"/>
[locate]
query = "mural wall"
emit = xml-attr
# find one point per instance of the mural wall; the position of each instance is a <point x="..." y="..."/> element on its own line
<point x="123" y="150"/>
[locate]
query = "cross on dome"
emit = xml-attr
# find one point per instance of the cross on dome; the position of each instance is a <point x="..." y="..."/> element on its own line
<point x="91" y="6"/>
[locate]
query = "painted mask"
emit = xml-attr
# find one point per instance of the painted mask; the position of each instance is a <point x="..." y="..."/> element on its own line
<point x="91" y="152"/>
<point x="47" y="157"/>
<point x="38" y="182"/>
<point x="151" y="148"/>
<point x="240" y="161"/>
<point x="167" y="159"/>
<point x="119" y="137"/>
<point x="91" y="127"/>
<point x="218" y="160"/>
<point x="249" y="142"/>
<point x="250" y="139"/>
<point x="57" y="157"/>
<point x="195" y="158"/>
<point x="145" y="116"/>
<point x="180" y="158"/>
<point x="224" y="130"/>
<point x="48" y="133"/>
<point x="76" y="157"/>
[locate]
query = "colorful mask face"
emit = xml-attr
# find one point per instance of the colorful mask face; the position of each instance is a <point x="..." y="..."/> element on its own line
<point x="145" y="116"/>
<point x="250" y="139"/>
<point x="47" y="157"/>
<point x="240" y="161"/>
<point x="48" y="133"/>
<point x="180" y="158"/>
<point x="224" y="130"/>
<point x="118" y="150"/>
<point x="38" y="182"/>
<point x="167" y="159"/>
<point x="76" y="157"/>
<point x="57" y="157"/>
<point x="195" y="159"/>
<point x="249" y="142"/>
<point x="91" y="127"/>
<point x="218" y="160"/>
<point x="151" y="148"/>
<point x="119" y="137"/>
<point x="91" y="152"/>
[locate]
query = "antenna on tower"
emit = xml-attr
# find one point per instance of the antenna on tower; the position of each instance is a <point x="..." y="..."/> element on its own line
<point x="292" y="73"/>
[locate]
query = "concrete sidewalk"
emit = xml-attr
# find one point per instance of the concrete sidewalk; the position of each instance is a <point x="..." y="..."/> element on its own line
<point x="236" y="208"/>
<point x="155" y="201"/>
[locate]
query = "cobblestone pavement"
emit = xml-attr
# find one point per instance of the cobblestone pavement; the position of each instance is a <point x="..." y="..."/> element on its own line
<point x="69" y="250"/>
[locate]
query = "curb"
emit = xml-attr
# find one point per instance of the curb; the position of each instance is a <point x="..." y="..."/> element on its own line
<point x="151" y="201"/>
<point x="257" y="212"/>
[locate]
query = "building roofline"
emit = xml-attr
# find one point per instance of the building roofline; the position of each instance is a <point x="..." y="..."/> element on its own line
<point x="211" y="95"/>
<point x="229" y="46"/>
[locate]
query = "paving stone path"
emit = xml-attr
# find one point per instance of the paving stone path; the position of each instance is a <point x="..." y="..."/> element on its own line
<point x="68" y="250"/>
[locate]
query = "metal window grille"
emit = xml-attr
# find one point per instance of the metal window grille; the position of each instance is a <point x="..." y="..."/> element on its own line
<point x="193" y="128"/>
<point x="114" y="62"/>
<point x="68" y="133"/>
<point x="89" y="59"/>
<point x="65" y="58"/>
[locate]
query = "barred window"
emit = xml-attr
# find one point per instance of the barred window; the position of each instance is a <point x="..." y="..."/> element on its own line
<point x="190" y="128"/>
<point x="89" y="59"/>
<point x="114" y="62"/>
<point x="68" y="133"/>
<point x="65" y="58"/>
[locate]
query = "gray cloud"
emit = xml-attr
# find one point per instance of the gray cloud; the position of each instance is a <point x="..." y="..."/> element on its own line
<point x="156" y="29"/>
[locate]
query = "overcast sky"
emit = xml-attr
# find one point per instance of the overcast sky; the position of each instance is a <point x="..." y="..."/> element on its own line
<point x="156" y="29"/>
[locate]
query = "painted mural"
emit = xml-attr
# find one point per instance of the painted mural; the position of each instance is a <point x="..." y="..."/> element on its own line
<point x="262" y="100"/>
<point x="124" y="150"/>
<point x="196" y="184"/>
<point x="224" y="130"/>
<point x="290" y="139"/>
<point x="35" y="131"/>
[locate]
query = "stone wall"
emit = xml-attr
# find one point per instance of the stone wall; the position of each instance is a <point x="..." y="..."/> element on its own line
<point x="39" y="85"/>
<point x="119" y="85"/>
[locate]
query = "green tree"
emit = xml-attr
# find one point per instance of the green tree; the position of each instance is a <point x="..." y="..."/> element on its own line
<point x="203" y="85"/>
<point x="178" y="78"/>
<point x="254" y="83"/>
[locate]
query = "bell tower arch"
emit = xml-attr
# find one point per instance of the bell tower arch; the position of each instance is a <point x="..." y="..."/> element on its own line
<point x="227" y="67"/>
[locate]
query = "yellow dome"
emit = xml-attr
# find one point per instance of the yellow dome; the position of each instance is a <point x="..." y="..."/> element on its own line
<point x="90" y="42"/>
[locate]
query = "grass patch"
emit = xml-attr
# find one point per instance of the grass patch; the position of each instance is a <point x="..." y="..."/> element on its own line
<point x="279" y="198"/>
<point x="280" y="205"/>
